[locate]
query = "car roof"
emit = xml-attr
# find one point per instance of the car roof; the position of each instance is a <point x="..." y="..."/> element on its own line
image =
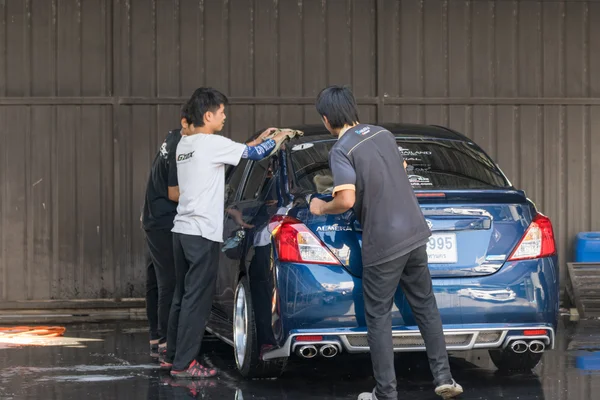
<point x="317" y="132"/>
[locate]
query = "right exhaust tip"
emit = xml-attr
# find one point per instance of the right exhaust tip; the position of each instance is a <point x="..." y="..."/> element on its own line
<point x="537" y="347"/>
<point x="519" y="347"/>
<point x="328" y="351"/>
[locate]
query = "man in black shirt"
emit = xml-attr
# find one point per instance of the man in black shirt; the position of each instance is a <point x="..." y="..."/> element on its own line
<point x="369" y="177"/>
<point x="160" y="208"/>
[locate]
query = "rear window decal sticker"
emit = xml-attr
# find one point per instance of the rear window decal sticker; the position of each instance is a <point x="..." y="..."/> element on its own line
<point x="413" y="153"/>
<point x="417" y="180"/>
<point x="302" y="146"/>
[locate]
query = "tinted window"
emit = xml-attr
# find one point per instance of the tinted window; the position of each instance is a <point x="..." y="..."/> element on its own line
<point x="233" y="181"/>
<point x="256" y="179"/>
<point x="432" y="165"/>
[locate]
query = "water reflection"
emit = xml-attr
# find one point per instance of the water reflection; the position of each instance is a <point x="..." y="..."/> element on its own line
<point x="343" y="379"/>
<point x="589" y="361"/>
<point x="119" y="366"/>
<point x="584" y="345"/>
<point x="498" y="295"/>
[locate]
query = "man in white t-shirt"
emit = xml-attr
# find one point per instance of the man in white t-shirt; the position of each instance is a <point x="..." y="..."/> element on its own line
<point x="198" y="227"/>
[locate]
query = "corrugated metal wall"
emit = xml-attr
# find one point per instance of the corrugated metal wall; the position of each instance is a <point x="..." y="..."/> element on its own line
<point x="89" y="88"/>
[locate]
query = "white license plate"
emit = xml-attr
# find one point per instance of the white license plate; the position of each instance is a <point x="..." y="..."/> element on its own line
<point x="441" y="248"/>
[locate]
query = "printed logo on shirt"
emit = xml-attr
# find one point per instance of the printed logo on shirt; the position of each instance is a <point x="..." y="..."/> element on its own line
<point x="185" y="156"/>
<point x="163" y="150"/>
<point x="363" y="131"/>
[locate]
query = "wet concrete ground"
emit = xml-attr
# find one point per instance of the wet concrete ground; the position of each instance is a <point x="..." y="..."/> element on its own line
<point x="111" y="361"/>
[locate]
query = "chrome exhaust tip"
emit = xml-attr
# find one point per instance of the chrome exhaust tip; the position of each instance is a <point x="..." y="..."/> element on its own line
<point x="537" y="347"/>
<point x="328" y="351"/>
<point x="309" y="351"/>
<point x="519" y="347"/>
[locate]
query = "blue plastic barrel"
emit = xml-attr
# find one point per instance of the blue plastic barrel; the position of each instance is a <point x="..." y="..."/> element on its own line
<point x="587" y="247"/>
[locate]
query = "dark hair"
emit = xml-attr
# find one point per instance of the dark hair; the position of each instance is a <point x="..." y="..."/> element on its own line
<point x="337" y="103"/>
<point x="203" y="99"/>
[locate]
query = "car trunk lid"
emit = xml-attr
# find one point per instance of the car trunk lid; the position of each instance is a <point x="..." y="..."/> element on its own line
<point x="469" y="238"/>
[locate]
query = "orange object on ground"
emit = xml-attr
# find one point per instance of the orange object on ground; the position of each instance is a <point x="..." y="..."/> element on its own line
<point x="48" y="331"/>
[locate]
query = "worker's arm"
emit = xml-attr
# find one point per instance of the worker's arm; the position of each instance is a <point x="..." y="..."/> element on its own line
<point x="238" y="218"/>
<point x="259" y="151"/>
<point x="342" y="202"/>
<point x="172" y="181"/>
<point x="231" y="152"/>
<point x="344" y="190"/>
<point x="261" y="138"/>
<point x="174" y="193"/>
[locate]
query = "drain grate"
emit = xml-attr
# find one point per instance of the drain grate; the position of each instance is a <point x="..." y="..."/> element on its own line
<point x="488" y="337"/>
<point x="412" y="340"/>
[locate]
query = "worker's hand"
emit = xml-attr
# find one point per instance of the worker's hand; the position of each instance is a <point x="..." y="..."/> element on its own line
<point x="265" y="135"/>
<point x="280" y="137"/>
<point x="316" y="206"/>
<point x="245" y="225"/>
<point x="238" y="218"/>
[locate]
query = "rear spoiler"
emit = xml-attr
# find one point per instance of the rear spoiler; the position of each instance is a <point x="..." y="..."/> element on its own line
<point x="471" y="196"/>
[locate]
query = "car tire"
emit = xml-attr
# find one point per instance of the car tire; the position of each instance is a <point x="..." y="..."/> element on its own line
<point x="245" y="339"/>
<point x="508" y="361"/>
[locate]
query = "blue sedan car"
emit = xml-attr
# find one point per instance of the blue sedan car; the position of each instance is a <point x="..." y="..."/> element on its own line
<point x="289" y="282"/>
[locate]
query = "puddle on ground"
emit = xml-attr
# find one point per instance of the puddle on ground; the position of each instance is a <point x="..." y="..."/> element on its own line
<point x="83" y="368"/>
<point x="25" y="340"/>
<point x="85" y="378"/>
<point x="121" y="366"/>
<point x="135" y="330"/>
<point x="102" y="331"/>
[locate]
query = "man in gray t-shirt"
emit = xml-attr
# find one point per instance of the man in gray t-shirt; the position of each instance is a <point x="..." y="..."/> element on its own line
<point x="201" y="157"/>
<point x="369" y="177"/>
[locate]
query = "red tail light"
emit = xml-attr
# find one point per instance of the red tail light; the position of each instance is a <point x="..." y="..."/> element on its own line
<point x="537" y="242"/>
<point x="535" y="332"/>
<point x="309" y="338"/>
<point x="296" y="243"/>
<point x="430" y="195"/>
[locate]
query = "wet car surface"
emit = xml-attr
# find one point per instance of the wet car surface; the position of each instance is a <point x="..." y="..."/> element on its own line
<point x="111" y="361"/>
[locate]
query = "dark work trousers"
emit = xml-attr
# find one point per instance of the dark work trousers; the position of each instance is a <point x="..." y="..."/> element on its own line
<point x="151" y="299"/>
<point x="196" y="265"/>
<point x="380" y="283"/>
<point x="160" y="244"/>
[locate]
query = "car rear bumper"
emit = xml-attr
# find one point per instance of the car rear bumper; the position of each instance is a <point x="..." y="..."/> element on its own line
<point x="483" y="312"/>
<point x="327" y="297"/>
<point x="490" y="336"/>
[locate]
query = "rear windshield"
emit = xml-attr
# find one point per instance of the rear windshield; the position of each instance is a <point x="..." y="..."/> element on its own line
<point x="432" y="165"/>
